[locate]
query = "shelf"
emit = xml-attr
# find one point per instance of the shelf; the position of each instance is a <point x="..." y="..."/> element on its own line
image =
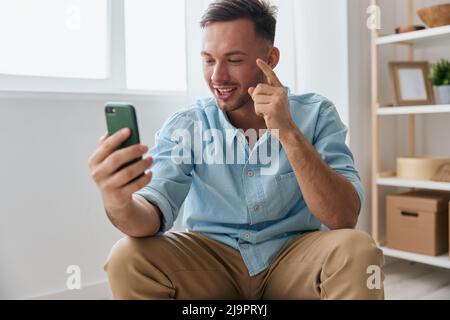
<point x="442" y="261"/>
<point x="432" y="36"/>
<point x="418" y="184"/>
<point x="389" y="111"/>
<point x="427" y="38"/>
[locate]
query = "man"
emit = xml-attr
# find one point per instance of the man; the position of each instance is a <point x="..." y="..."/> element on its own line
<point x="252" y="235"/>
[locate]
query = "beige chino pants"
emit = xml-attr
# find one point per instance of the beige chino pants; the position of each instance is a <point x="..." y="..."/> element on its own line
<point x="190" y="266"/>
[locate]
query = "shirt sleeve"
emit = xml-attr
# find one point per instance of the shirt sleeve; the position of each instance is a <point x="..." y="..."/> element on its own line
<point x="171" y="179"/>
<point x="329" y="141"/>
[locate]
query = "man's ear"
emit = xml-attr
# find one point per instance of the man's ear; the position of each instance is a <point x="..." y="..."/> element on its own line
<point x="274" y="57"/>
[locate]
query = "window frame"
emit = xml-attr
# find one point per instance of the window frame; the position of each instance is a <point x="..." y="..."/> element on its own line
<point x="115" y="83"/>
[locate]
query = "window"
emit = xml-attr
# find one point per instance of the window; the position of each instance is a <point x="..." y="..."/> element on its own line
<point x="54" y="38"/>
<point x="155" y="45"/>
<point x="108" y="46"/>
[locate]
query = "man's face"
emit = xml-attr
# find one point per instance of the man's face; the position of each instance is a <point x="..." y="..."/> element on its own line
<point x="230" y="50"/>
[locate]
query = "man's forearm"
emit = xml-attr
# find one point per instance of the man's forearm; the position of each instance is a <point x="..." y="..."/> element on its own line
<point x="139" y="219"/>
<point x="329" y="195"/>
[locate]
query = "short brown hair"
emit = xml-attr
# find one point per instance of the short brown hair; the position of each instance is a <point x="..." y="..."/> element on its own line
<point x="261" y="12"/>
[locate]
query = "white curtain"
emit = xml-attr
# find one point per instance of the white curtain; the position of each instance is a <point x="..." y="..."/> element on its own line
<point x="322" y="63"/>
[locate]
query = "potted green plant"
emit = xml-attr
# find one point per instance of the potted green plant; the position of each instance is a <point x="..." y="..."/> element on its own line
<point x="440" y="78"/>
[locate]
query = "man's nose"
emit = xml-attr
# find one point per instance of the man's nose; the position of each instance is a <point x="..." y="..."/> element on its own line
<point x="220" y="74"/>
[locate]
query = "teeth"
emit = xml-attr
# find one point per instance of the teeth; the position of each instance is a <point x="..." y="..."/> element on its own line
<point x="228" y="90"/>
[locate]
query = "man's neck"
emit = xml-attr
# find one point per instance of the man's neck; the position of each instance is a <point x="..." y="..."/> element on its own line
<point x="246" y="118"/>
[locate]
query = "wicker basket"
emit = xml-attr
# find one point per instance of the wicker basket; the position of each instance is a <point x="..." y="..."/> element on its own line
<point x="435" y="16"/>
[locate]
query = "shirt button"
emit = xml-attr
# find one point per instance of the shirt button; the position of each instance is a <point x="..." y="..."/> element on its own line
<point x="247" y="236"/>
<point x="257" y="208"/>
<point x="250" y="173"/>
<point x="246" y="246"/>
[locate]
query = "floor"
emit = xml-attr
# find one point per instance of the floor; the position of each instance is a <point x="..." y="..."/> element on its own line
<point x="415" y="281"/>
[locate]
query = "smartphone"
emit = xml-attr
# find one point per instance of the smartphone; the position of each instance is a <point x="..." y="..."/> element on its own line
<point x="120" y="116"/>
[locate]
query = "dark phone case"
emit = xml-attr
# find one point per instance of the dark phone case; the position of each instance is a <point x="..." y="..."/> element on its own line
<point x="124" y="116"/>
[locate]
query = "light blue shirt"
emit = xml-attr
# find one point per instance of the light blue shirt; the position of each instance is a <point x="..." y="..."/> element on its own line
<point x="236" y="204"/>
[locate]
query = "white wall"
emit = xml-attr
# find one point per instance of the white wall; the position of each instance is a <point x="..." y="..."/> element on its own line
<point x="50" y="211"/>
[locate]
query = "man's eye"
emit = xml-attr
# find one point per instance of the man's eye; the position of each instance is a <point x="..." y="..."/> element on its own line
<point x="235" y="61"/>
<point x="209" y="61"/>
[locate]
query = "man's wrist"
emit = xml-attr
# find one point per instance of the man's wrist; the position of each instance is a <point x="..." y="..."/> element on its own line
<point x="289" y="134"/>
<point x="122" y="211"/>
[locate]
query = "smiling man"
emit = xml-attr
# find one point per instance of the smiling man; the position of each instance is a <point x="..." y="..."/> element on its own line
<point x="249" y="235"/>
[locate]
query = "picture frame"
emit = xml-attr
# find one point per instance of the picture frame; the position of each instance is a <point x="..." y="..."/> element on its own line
<point x="410" y="82"/>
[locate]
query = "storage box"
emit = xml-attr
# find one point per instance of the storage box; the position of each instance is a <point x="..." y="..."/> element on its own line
<point x="418" y="221"/>
<point x="420" y="168"/>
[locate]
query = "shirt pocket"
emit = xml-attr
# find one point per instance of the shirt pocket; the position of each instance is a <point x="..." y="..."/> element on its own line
<point x="289" y="191"/>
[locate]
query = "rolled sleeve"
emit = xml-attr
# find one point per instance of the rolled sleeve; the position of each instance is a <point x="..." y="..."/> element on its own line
<point x="330" y="140"/>
<point x="171" y="181"/>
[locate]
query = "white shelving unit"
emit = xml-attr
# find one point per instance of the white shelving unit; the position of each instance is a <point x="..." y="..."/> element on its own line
<point x="416" y="39"/>
<point x="419" y="39"/>
<point x="391" y="111"/>
<point x="440" y="261"/>
<point x="420" y="184"/>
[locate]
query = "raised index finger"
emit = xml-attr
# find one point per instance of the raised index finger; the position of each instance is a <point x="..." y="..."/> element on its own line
<point x="270" y="74"/>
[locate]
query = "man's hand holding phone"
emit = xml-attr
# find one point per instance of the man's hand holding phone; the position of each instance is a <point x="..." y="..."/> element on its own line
<point x="116" y="182"/>
<point x="118" y="174"/>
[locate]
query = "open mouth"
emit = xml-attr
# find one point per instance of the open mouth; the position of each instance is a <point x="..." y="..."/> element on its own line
<point x="225" y="93"/>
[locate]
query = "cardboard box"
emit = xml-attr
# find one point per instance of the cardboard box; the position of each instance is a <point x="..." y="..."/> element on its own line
<point x="418" y="221"/>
